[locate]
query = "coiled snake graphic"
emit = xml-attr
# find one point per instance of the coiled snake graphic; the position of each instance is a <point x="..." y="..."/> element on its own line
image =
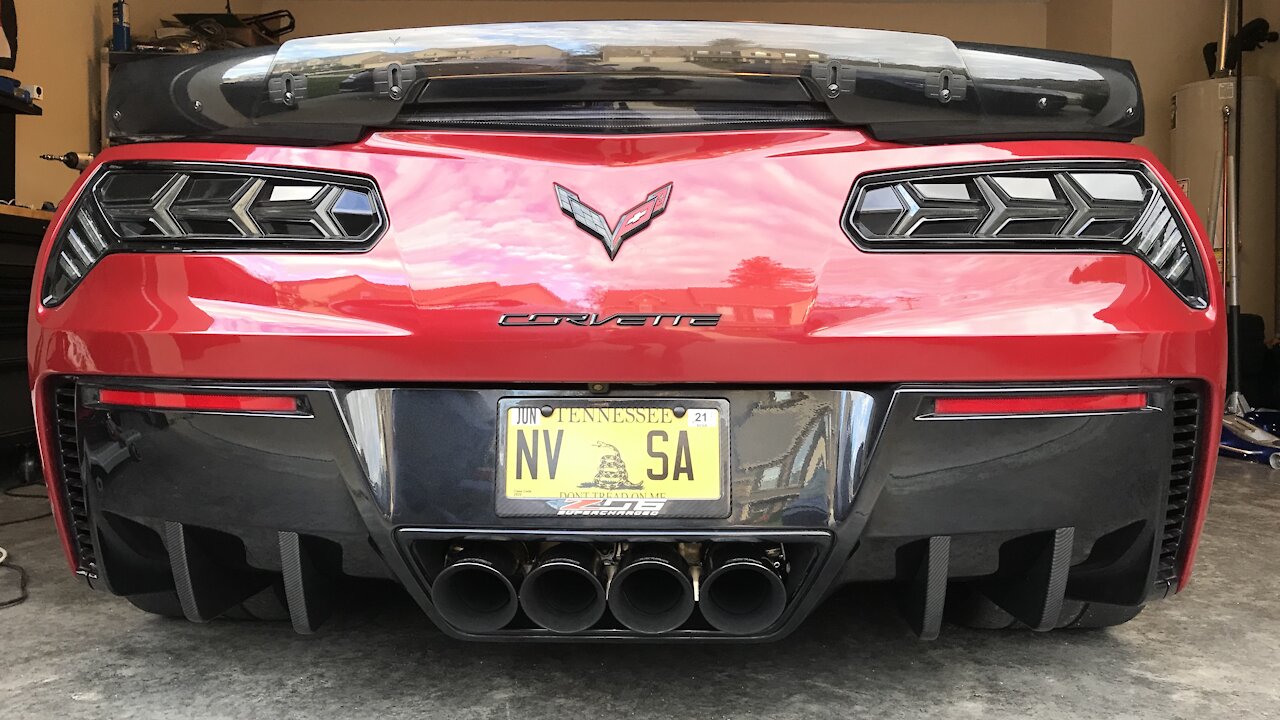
<point x="612" y="473"/>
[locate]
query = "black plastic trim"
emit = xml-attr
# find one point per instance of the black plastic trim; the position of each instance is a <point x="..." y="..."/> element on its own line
<point x="992" y="486"/>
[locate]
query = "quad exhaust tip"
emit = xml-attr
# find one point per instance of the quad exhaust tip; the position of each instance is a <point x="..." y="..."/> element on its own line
<point x="652" y="592"/>
<point x="564" y="592"/>
<point x="742" y="592"/>
<point x="567" y="588"/>
<point x="476" y="591"/>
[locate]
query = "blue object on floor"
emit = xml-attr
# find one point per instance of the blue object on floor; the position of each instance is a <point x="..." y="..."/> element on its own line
<point x="1268" y="420"/>
<point x="1252" y="437"/>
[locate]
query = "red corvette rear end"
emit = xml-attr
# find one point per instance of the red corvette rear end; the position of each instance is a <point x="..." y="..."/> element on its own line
<point x="579" y="338"/>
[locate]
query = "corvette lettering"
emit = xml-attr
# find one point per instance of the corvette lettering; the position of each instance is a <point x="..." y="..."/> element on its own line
<point x="631" y="222"/>
<point x="619" y="319"/>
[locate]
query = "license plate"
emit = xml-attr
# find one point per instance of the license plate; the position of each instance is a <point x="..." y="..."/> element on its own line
<point x="572" y="457"/>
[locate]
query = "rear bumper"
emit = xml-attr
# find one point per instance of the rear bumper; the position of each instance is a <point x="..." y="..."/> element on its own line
<point x="858" y="482"/>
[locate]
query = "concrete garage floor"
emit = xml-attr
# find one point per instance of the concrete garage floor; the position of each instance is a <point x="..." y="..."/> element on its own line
<point x="1211" y="653"/>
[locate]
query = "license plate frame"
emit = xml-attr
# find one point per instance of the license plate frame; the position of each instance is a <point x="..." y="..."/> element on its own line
<point x="613" y="507"/>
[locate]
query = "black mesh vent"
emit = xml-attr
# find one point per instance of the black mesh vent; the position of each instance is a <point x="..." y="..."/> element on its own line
<point x="64" y="409"/>
<point x="1186" y="429"/>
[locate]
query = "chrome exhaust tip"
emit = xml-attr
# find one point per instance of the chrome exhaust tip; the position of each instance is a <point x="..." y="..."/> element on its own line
<point x="652" y="591"/>
<point x="476" y="591"/>
<point x="742" y="592"/>
<point x="564" y="592"/>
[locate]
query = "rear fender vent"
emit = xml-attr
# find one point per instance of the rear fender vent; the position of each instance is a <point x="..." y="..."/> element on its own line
<point x="73" y="482"/>
<point x="1182" y="468"/>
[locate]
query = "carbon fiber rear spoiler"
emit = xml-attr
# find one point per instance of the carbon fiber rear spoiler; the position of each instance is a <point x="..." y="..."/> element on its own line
<point x="899" y="86"/>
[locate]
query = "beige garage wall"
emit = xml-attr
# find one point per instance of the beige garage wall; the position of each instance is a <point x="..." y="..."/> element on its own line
<point x="55" y="49"/>
<point x="1164" y="39"/>
<point x="1082" y="26"/>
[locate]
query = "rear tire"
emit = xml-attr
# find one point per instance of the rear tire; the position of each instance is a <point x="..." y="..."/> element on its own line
<point x="968" y="607"/>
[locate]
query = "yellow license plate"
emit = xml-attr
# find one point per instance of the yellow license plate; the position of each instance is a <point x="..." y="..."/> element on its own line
<point x="637" y="458"/>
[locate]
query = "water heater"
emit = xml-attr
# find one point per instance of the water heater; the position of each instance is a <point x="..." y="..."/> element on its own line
<point x="1197" y="147"/>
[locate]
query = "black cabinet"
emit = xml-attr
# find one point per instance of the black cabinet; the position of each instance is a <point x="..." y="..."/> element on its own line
<point x="20" y="233"/>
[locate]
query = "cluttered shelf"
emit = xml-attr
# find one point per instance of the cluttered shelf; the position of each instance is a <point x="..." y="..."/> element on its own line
<point x="17" y="211"/>
<point x="120" y="57"/>
<point x="187" y="33"/>
<point x="11" y="104"/>
<point x="20" y="232"/>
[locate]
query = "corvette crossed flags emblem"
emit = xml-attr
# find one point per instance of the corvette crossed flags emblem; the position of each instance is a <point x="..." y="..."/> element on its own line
<point x="631" y="222"/>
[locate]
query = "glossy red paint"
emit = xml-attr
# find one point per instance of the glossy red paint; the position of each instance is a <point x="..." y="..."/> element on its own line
<point x="752" y="232"/>
<point x="1039" y="404"/>
<point x="199" y="401"/>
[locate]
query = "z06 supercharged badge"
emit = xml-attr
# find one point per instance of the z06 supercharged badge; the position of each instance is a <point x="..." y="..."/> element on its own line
<point x="604" y="506"/>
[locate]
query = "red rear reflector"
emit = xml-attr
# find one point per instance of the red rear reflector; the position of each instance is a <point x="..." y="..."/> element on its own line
<point x="1039" y="404"/>
<point x="199" y="401"/>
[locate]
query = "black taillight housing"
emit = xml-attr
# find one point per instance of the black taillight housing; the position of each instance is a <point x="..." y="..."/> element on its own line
<point x="199" y="207"/>
<point x="1066" y="206"/>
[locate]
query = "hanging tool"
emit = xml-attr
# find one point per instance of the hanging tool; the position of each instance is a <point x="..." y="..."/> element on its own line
<point x="73" y="160"/>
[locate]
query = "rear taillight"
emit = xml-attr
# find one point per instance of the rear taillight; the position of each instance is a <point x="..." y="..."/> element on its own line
<point x="181" y="207"/>
<point x="1091" y="206"/>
